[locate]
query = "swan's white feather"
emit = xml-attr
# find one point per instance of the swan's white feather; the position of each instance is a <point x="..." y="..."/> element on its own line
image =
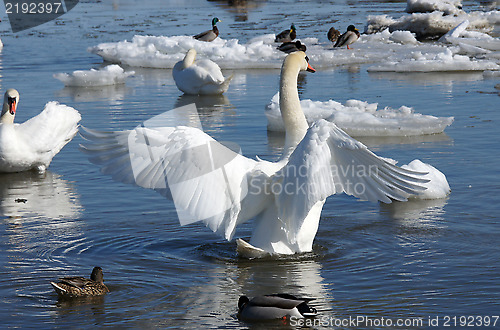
<point x="327" y="162"/>
<point x="206" y="180"/>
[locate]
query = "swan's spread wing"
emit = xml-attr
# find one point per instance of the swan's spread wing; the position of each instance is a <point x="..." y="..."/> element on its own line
<point x="206" y="180"/>
<point x="50" y="130"/>
<point x="328" y="161"/>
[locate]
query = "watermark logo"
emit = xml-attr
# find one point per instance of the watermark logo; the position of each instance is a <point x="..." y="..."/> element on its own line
<point x="26" y="14"/>
<point x="182" y="163"/>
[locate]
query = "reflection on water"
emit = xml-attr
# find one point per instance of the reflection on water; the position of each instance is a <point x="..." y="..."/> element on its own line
<point x="276" y="140"/>
<point x="423" y="78"/>
<point x="240" y="8"/>
<point x="30" y="194"/>
<point x="212" y="109"/>
<point x="417" y="213"/>
<point x="112" y="93"/>
<point x="375" y="141"/>
<point x="218" y="298"/>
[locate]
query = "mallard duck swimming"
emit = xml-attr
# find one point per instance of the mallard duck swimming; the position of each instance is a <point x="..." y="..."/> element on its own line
<point x="348" y="38"/>
<point x="77" y="286"/>
<point x="333" y="34"/>
<point x="209" y="35"/>
<point x="276" y="306"/>
<point x="292" y="46"/>
<point x="287" y="35"/>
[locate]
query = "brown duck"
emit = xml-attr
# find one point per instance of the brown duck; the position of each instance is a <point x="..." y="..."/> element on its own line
<point x="77" y="286"/>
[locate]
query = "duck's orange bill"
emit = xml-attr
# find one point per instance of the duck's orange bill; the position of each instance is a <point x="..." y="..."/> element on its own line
<point x="310" y="68"/>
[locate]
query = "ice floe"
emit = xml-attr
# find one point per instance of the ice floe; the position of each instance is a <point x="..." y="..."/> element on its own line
<point x="432" y="25"/>
<point x="445" y="61"/>
<point x="109" y="75"/>
<point x="437" y="187"/>
<point x="258" y="53"/>
<point x="449" y="7"/>
<point x="360" y="118"/>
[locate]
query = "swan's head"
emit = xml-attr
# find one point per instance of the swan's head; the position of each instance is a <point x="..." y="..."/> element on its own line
<point x="300" y="60"/>
<point x="10" y="103"/>
<point x="215" y="20"/>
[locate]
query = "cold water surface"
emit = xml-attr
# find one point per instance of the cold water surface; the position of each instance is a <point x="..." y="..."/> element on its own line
<point x="417" y="259"/>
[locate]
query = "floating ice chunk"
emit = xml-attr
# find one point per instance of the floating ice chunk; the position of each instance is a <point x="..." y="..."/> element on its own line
<point x="473" y="42"/>
<point x="445" y="61"/>
<point x="164" y="52"/>
<point x="109" y="75"/>
<point x="432" y="25"/>
<point x="360" y="118"/>
<point x="437" y="187"/>
<point x="403" y="37"/>
<point x="449" y="7"/>
<point x="258" y="53"/>
<point x="491" y="74"/>
<point x="456" y="31"/>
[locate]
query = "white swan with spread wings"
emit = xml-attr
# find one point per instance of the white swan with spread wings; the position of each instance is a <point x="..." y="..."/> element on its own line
<point x="211" y="183"/>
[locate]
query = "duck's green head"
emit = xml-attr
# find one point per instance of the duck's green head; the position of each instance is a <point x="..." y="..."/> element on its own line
<point x="292" y="28"/>
<point x="215" y="21"/>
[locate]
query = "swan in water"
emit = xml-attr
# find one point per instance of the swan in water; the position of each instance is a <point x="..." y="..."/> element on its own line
<point x="209" y="182"/>
<point x="33" y="144"/>
<point x="203" y="77"/>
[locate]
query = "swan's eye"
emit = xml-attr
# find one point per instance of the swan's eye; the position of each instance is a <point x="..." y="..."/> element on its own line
<point x="307" y="59"/>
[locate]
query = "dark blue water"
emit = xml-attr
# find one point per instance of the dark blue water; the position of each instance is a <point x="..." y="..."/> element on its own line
<point x="420" y="259"/>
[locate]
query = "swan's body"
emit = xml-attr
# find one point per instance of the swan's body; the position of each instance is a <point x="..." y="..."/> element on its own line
<point x="202" y="77"/>
<point x="292" y="46"/>
<point x="348" y="38"/>
<point x="209" y="182"/>
<point x="33" y="144"/>
<point x="270" y="307"/>
<point x="77" y="286"/>
<point x="209" y="35"/>
<point x="287" y="35"/>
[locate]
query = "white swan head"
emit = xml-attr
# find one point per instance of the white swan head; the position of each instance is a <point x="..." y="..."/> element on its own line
<point x="299" y="60"/>
<point x="189" y="58"/>
<point x="10" y="103"/>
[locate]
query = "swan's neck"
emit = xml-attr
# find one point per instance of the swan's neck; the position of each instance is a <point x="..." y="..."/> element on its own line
<point x="188" y="60"/>
<point x="293" y="117"/>
<point x="6" y="117"/>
